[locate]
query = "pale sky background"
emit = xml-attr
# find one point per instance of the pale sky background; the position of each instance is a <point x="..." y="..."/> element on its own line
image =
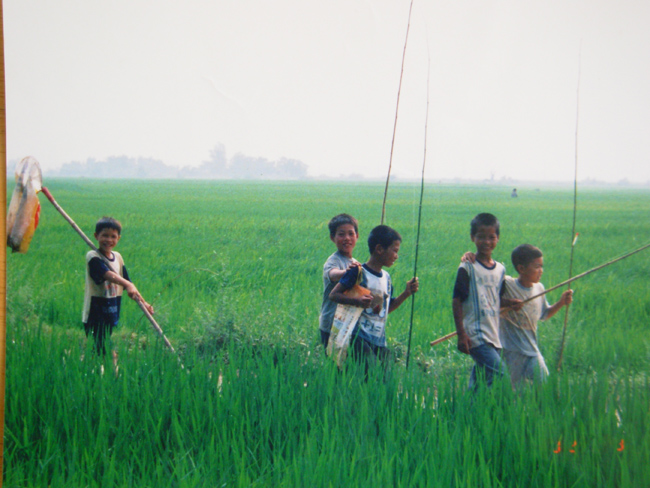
<point x="317" y="81"/>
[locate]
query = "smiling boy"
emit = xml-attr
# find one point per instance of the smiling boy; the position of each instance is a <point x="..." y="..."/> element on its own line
<point x="344" y="232"/>
<point x="106" y="278"/>
<point x="518" y="328"/>
<point x="476" y="301"/>
<point x="369" y="337"/>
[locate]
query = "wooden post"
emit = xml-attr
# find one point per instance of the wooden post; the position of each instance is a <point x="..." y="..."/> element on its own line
<point x="3" y="252"/>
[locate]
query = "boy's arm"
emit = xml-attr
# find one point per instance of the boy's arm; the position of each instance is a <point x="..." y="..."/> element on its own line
<point x="338" y="295"/>
<point x="461" y="293"/>
<point x="463" y="338"/>
<point x="508" y="303"/>
<point x="412" y="286"/>
<point x="335" y="274"/>
<point x="565" y="299"/>
<point x="130" y="288"/>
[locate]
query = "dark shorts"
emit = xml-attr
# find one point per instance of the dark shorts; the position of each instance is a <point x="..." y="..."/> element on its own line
<point x="100" y="331"/>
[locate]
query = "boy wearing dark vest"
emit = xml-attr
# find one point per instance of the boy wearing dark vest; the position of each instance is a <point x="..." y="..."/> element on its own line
<point x="106" y="278"/>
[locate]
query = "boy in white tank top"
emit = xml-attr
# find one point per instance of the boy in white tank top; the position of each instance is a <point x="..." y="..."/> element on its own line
<point x="477" y="300"/>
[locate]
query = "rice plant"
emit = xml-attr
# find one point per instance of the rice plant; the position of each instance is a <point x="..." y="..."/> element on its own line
<point x="234" y="272"/>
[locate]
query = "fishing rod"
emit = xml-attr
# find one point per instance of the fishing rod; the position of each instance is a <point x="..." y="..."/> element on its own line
<point x="399" y="90"/>
<point x="417" y="238"/>
<point x="570" y="280"/>
<point x="582" y="275"/>
<point x="574" y="235"/>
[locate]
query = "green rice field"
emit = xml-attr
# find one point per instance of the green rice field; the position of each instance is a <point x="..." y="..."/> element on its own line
<point x="234" y="271"/>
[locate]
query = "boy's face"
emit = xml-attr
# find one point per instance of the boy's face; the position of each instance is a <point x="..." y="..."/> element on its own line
<point x="345" y="239"/>
<point x="107" y="239"/>
<point x="531" y="272"/>
<point x="388" y="255"/>
<point x="485" y="239"/>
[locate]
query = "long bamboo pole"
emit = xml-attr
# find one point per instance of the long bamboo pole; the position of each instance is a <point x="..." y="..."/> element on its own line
<point x="570" y="280"/>
<point x="417" y="238"/>
<point x="574" y="236"/>
<point x="399" y="90"/>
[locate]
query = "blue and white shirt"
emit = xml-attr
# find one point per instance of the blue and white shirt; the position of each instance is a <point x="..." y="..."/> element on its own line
<point x="372" y="324"/>
<point x="478" y="288"/>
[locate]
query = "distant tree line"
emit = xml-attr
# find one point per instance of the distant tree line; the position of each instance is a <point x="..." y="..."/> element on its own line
<point x="217" y="166"/>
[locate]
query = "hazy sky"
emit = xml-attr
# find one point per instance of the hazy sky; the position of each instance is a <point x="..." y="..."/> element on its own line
<point x="317" y="81"/>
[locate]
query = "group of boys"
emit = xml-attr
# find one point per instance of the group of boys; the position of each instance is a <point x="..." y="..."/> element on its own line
<point x="494" y="317"/>
<point x="342" y="272"/>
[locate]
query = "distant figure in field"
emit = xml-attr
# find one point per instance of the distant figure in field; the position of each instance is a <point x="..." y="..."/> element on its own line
<point x="368" y="342"/>
<point x="518" y="328"/>
<point x="476" y="302"/>
<point x="344" y="232"/>
<point x="514" y="193"/>
<point x="106" y="277"/>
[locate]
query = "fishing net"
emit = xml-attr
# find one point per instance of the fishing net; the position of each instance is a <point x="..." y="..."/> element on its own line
<point x="24" y="209"/>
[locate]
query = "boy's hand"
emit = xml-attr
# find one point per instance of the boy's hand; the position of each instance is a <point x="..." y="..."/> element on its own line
<point x="511" y="304"/>
<point x="412" y="286"/>
<point x="133" y="292"/>
<point x="567" y="297"/>
<point x="365" y="301"/>
<point x="135" y="295"/>
<point x="516" y="304"/>
<point x="148" y="306"/>
<point x="468" y="257"/>
<point x="463" y="342"/>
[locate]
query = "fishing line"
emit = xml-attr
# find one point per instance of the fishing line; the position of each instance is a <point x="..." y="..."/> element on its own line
<point x="399" y="90"/>
<point x="574" y="236"/>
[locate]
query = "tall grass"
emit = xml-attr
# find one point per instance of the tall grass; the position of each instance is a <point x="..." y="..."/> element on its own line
<point x="263" y="417"/>
<point x="234" y="272"/>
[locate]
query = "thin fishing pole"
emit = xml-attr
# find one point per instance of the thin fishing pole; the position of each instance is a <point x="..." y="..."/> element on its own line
<point x="417" y="238"/>
<point x="399" y="90"/>
<point x="582" y="275"/>
<point x="574" y="236"/>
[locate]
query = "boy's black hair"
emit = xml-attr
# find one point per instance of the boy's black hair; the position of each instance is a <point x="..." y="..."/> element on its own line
<point x="108" y="223"/>
<point x="524" y="254"/>
<point x="342" y="219"/>
<point x="484" y="219"/>
<point x="384" y="236"/>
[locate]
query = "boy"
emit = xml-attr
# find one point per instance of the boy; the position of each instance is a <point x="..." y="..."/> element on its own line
<point x="344" y="232"/>
<point x="369" y="337"/>
<point x="518" y="328"/>
<point x="476" y="301"/>
<point x="106" y="277"/>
